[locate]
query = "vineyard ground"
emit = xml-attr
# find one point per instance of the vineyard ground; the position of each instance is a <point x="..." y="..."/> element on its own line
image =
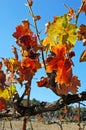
<point x="17" y="125"/>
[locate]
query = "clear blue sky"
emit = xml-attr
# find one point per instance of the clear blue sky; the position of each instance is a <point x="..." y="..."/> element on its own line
<point x="12" y="12"/>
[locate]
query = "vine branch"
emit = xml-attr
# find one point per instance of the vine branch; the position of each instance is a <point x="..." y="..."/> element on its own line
<point x="45" y="106"/>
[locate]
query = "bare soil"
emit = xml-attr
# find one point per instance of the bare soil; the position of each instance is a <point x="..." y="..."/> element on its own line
<point x="17" y="125"/>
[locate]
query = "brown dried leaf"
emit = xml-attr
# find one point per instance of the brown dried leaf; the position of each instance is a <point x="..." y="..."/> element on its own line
<point x="83" y="56"/>
<point x="43" y="82"/>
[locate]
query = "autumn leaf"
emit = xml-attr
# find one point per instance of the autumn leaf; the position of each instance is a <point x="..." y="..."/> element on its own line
<point x="62" y="89"/>
<point x="25" y="38"/>
<point x="61" y="63"/>
<point x="48" y="43"/>
<point x="64" y="76"/>
<point x="14" y="61"/>
<point x="59" y="50"/>
<point x="11" y="64"/>
<point x="81" y="34"/>
<point x="11" y="78"/>
<point x="23" y="29"/>
<point x="29" y="64"/>
<point x="71" y="13"/>
<point x="2" y="104"/>
<point x="25" y="74"/>
<point x="43" y="82"/>
<point x="58" y="60"/>
<point x="8" y="92"/>
<point x="14" y="50"/>
<point x="72" y="33"/>
<point x="83" y="56"/>
<point x="73" y="87"/>
<point x="0" y="65"/>
<point x="83" y="7"/>
<point x="2" y="79"/>
<point x="75" y="83"/>
<point x="38" y="17"/>
<point x="27" y="41"/>
<point x="60" y="31"/>
<point x="27" y="69"/>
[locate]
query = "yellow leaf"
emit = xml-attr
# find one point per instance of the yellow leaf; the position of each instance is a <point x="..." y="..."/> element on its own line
<point x="8" y="92"/>
<point x="83" y="56"/>
<point x="72" y="33"/>
<point x="61" y="31"/>
<point x="48" y="43"/>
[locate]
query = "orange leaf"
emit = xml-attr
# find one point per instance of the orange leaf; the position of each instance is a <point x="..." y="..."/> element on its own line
<point x="64" y="77"/>
<point x="29" y="64"/>
<point x="58" y="59"/>
<point x="59" y="50"/>
<point x="71" y="12"/>
<point x="60" y="62"/>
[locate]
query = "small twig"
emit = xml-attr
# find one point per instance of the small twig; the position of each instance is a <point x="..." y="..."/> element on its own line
<point x="24" y="123"/>
<point x="31" y="125"/>
<point x="11" y="125"/>
<point x="37" y="32"/>
<point x="66" y="7"/>
<point x="3" y="125"/>
<point x="26" y="88"/>
<point x="60" y="125"/>
<point x="27" y="104"/>
<point x="77" y="16"/>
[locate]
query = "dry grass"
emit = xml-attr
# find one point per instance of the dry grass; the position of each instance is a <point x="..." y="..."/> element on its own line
<point x="17" y="125"/>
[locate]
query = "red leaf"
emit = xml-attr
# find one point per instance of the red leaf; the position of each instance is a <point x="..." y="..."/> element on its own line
<point x="83" y="8"/>
<point x="37" y="17"/>
<point x="82" y="32"/>
<point x="2" y="79"/>
<point x="2" y="104"/>
<point x="27" y="41"/>
<point x="43" y="82"/>
<point x="22" y="30"/>
<point x="0" y="65"/>
<point x="14" y="50"/>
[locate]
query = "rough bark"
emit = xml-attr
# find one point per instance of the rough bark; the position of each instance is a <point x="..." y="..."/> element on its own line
<point x="45" y="106"/>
